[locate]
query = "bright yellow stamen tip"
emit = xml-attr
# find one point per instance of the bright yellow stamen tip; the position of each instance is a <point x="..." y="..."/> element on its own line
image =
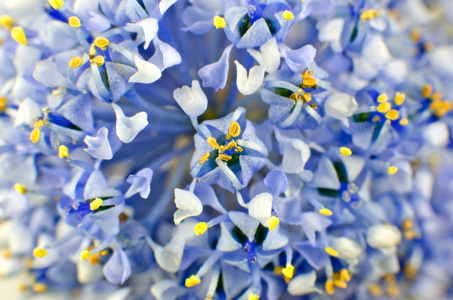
<point x="345" y="151"/>
<point x="104" y="252"/>
<point x="235" y="129"/>
<point x="204" y="158"/>
<point x="441" y="108"/>
<point x="404" y="122"/>
<point x="18" y="34"/>
<point x="39" y="288"/>
<point x="253" y="296"/>
<point x="6" y="21"/>
<point x="369" y="15"/>
<point x="63" y="151"/>
<point x="99" y="60"/>
<point x="427" y="90"/>
<point x="34" y="135"/>
<point x="288" y="271"/>
<point x="384" y="107"/>
<point x="306" y="97"/>
<point x="96" y="203"/>
<point x="273" y="222"/>
<point x="341" y="284"/>
<point x="84" y="254"/>
<point x="375" y="290"/>
<point x="56" y="4"/>
<point x="74" y="22"/>
<point x="399" y="98"/>
<point x="75" y="62"/>
<point x="20" y="188"/>
<point x="392" y="170"/>
<point x="219" y="22"/>
<point x="39" y="252"/>
<point x="192" y="281"/>
<point x="101" y="42"/>
<point x="225" y="157"/>
<point x="330" y="288"/>
<point x="331" y="251"/>
<point x="325" y="212"/>
<point x="38" y="124"/>
<point x="94" y="259"/>
<point x="287" y="15"/>
<point x="382" y="98"/>
<point x="392" y="115"/>
<point x="212" y="142"/>
<point x="3" y="104"/>
<point x="407" y="224"/>
<point x="345" y="275"/>
<point x="200" y="228"/>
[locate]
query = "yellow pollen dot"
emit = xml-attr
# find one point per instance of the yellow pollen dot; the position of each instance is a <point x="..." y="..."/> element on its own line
<point x="306" y="97"/>
<point x="200" y="228"/>
<point x="253" y="296"/>
<point x="56" y="4"/>
<point x="273" y="222"/>
<point x="427" y="90"/>
<point x="392" y="170"/>
<point x="99" y="60"/>
<point x="392" y="115"/>
<point x="330" y="288"/>
<point x="225" y="157"/>
<point x="287" y="15"/>
<point x="204" y="158"/>
<point x="84" y="254"/>
<point x="369" y="14"/>
<point x="3" y="104"/>
<point x="288" y="271"/>
<point x="399" y="98"/>
<point x="235" y="129"/>
<point x="39" y="288"/>
<point x="219" y="22"/>
<point x="74" y="22"/>
<point x="104" y="252"/>
<point x="63" y="151"/>
<point x="410" y="271"/>
<point x="416" y="35"/>
<point x="18" y="34"/>
<point x="307" y="79"/>
<point x="437" y="96"/>
<point x="75" y="62"/>
<point x="34" y="135"/>
<point x="331" y="251"/>
<point x="101" y="42"/>
<point x="38" y="124"/>
<point x="6" y="21"/>
<point x="39" y="252"/>
<point x="393" y="290"/>
<point x="94" y="259"/>
<point x="92" y="51"/>
<point x="384" y="107"/>
<point x="20" y="188"/>
<point x="345" y="275"/>
<point x="341" y="284"/>
<point x="376" y="119"/>
<point x="404" y="122"/>
<point x="345" y="151"/>
<point x="192" y="281"/>
<point x="375" y="290"/>
<point x="96" y="203"/>
<point x="382" y="98"/>
<point x="313" y="105"/>
<point x="294" y="96"/>
<point x="228" y="136"/>
<point x="407" y="224"/>
<point x="325" y="212"/>
<point x="441" y="108"/>
<point x="212" y="142"/>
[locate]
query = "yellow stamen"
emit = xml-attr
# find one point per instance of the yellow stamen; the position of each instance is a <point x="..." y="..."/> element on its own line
<point x="39" y="288"/>
<point x="325" y="212"/>
<point x="94" y="259"/>
<point x="22" y="287"/>
<point x="392" y="170"/>
<point x="376" y="119"/>
<point x="404" y="122"/>
<point x="399" y="98"/>
<point x="75" y="62"/>
<point x="224" y="157"/>
<point x="345" y="151"/>
<point x="288" y="271"/>
<point x="84" y="254"/>
<point x="416" y="35"/>
<point x="235" y="129"/>
<point x="410" y="271"/>
<point x="273" y="222"/>
<point x="20" y="188"/>
<point x="375" y="290"/>
<point x="382" y="98"/>
<point x="309" y="81"/>
<point x="18" y="34"/>
<point x="230" y="145"/>
<point x="393" y="290"/>
<point x="39" y="252"/>
<point x="219" y="22"/>
<point x="345" y="275"/>
<point x="294" y="96"/>
<point x="253" y="296"/>
<point x="192" y="281"/>
<point x="306" y="97"/>
<point x="331" y="251"/>
<point x="427" y="90"/>
<point x="228" y="136"/>
<point x="437" y="96"/>
<point x="3" y="104"/>
<point x="278" y="270"/>
<point x="92" y="51"/>
<point x="96" y="203"/>
<point x="104" y="252"/>
<point x="238" y="149"/>
<point x="407" y="224"/>
<point x="204" y="158"/>
<point x="56" y="4"/>
<point x="6" y="253"/>
<point x="330" y="288"/>
<point x="369" y="15"/>
<point x="34" y="135"/>
<point x="384" y="107"/>
<point x="341" y="284"/>
<point x="200" y="228"/>
<point x="392" y="115"/>
<point x="63" y="151"/>
<point x="287" y="15"/>
<point x="38" y="124"/>
<point x="212" y="142"/>
<point x="101" y="42"/>
<point x="74" y="22"/>
<point x="314" y="106"/>
<point x="6" y="21"/>
<point x="441" y="108"/>
<point x="221" y="149"/>
<point x="99" y="60"/>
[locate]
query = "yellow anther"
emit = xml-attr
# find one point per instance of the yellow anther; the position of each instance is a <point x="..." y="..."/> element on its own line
<point x="253" y="296"/>
<point x="345" y="275"/>
<point x="392" y="170"/>
<point x="99" y="60"/>
<point x="341" y="284"/>
<point x="18" y="34"/>
<point x="230" y="145"/>
<point x="411" y="234"/>
<point x="436" y="96"/>
<point x="221" y="149"/>
<point x="441" y="108"/>
<point x="101" y="42"/>
<point x="39" y="252"/>
<point x="104" y="252"/>
<point x="20" y="188"/>
<point x="399" y="98"/>
<point x="228" y="136"/>
<point x="384" y="107"/>
<point x="294" y="96"/>
<point x="6" y="21"/>
<point x="224" y="157"/>
<point x="287" y="15"/>
<point x="3" y="104"/>
<point x="96" y="203"/>
<point x="410" y="271"/>
<point x="63" y="151"/>
<point x="238" y="149"/>
<point x="6" y="253"/>
<point x="56" y="4"/>
<point x="288" y="271"/>
<point x="92" y="52"/>
<point x="404" y="122"/>
<point x="345" y="151"/>
<point x="392" y="115"/>
<point x="306" y="97"/>
<point x="330" y="288"/>
<point x="331" y="251"/>
<point x="75" y="62"/>
<point x="235" y="129"/>
<point x="325" y="212"/>
<point x="273" y="222"/>
<point x="38" y="124"/>
<point x="427" y="90"/>
<point x="219" y="22"/>
<point x="39" y="288"/>
<point x="416" y="35"/>
<point x="393" y="290"/>
<point x="192" y="281"/>
<point x="369" y="14"/>
<point x="212" y="142"/>
<point x="22" y="287"/>
<point x="200" y="228"/>
<point x="375" y="290"/>
<point x="376" y="119"/>
<point x="84" y="254"/>
<point x="278" y="270"/>
<point x="314" y="106"/>
<point x="382" y="98"/>
<point x="407" y="224"/>
<point x="204" y="158"/>
<point x="94" y="259"/>
<point x="309" y="81"/>
<point x="34" y="135"/>
<point x="74" y="22"/>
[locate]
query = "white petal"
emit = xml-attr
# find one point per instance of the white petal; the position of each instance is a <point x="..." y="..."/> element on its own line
<point x="340" y="106"/>
<point x="303" y="284"/>
<point x="127" y="128"/>
<point x="347" y="249"/>
<point x="192" y="100"/>
<point x="269" y="55"/>
<point x="437" y="134"/>
<point x="331" y="32"/>
<point x="383" y="236"/>
<point x="28" y="111"/>
<point x="226" y="242"/>
<point x="169" y="257"/>
<point x="165" y="4"/>
<point x="247" y="85"/>
<point x="260" y="207"/>
<point x="376" y="51"/>
<point x="86" y="272"/>
<point x="147" y="72"/>
<point x="188" y="205"/>
<point x="147" y="27"/>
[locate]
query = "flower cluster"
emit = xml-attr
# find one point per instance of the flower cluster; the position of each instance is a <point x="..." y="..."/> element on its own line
<point x="137" y="164"/>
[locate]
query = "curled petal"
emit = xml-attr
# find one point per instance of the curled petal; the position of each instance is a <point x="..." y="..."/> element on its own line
<point x="127" y="128"/>
<point x="247" y="85"/>
<point x="147" y="72"/>
<point x="99" y="146"/>
<point x="192" y="100"/>
<point x="188" y="205"/>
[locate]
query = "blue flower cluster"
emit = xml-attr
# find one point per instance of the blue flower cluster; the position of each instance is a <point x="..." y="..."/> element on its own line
<point x="137" y="164"/>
